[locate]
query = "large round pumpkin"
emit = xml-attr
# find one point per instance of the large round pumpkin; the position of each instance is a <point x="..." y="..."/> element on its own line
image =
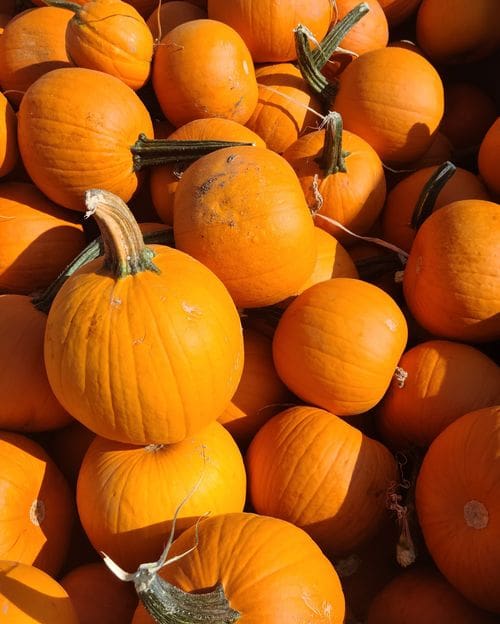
<point x="144" y="345"/>
<point x="489" y="167"/>
<point x="338" y="343"/>
<point x="458" y="505"/>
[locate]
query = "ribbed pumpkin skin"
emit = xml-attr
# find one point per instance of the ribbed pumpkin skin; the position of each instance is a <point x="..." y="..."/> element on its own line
<point x="241" y="211"/>
<point x="421" y="594"/>
<point x="28" y="403"/>
<point x="445" y="381"/>
<point x="338" y="343"/>
<point x="267" y="25"/>
<point x="29" y="595"/>
<point x="488" y="163"/>
<point x="402" y="200"/>
<point x="37" y="506"/>
<point x="76" y="128"/>
<point x="37" y="238"/>
<point x="111" y="36"/>
<point x="458" y="505"/>
<point x="393" y="98"/>
<point x="202" y="68"/>
<point x="271" y="571"/>
<point x="127" y="495"/>
<point x="452" y="278"/>
<point x="148" y="358"/>
<point x="313" y="469"/>
<point x="98" y="596"/>
<point x="32" y="44"/>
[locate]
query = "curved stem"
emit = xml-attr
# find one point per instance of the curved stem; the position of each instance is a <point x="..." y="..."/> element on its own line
<point x="309" y="70"/>
<point x="332" y="158"/>
<point x="65" y="4"/>
<point x="428" y="196"/>
<point x="147" y="152"/>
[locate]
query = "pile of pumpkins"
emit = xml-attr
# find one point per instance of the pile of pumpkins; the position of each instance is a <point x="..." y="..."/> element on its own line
<point x="249" y="311"/>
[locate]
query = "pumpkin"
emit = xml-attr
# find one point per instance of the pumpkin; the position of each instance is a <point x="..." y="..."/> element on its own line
<point x="451" y="281"/>
<point x="370" y="33"/>
<point x="8" y="137"/>
<point x="116" y="601"/>
<point x="127" y="495"/>
<point x="313" y="469"/>
<point x="29" y="595"/>
<point x="67" y="447"/>
<point x="437" y="382"/>
<point x="285" y="109"/>
<point x="342" y="178"/>
<point x="164" y="179"/>
<point x="421" y="594"/>
<point x="37" y="238"/>
<point x="168" y="15"/>
<point x="241" y="211"/>
<point x="220" y="82"/>
<point x="183" y="359"/>
<point x="338" y="343"/>
<point x="409" y="195"/>
<point x="112" y="37"/>
<point x="264" y="570"/>
<point x="267" y="26"/>
<point x="37" y="506"/>
<point x="32" y="44"/>
<point x="260" y="393"/>
<point x="454" y="31"/>
<point x="488" y="158"/>
<point x="393" y="98"/>
<point x="28" y="403"/>
<point x="457" y="501"/>
<point x="397" y="11"/>
<point x="440" y="151"/>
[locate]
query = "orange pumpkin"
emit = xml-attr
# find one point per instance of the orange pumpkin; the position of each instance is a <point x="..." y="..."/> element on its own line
<point x="183" y="359"/>
<point x="488" y="161"/>
<point x="370" y="33"/>
<point x="269" y="571"/>
<point x="37" y="506"/>
<point x="98" y="596"/>
<point x="303" y="453"/>
<point x="397" y="11"/>
<point x="338" y="343"/>
<point x="219" y="82"/>
<point x="267" y="26"/>
<point x="167" y="15"/>
<point x="342" y="178"/>
<point x="30" y="595"/>
<point x="32" y="44"/>
<point x="437" y="382"/>
<point x="127" y="495"/>
<point x="393" y="98"/>
<point x="8" y="137"/>
<point x="458" y="505"/>
<point x="67" y="447"/>
<point x="241" y="211"/>
<point x="451" y="281"/>
<point x="112" y="37"/>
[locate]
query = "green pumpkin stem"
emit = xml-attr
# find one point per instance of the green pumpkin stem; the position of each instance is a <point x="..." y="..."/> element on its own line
<point x="332" y="158"/>
<point x="149" y="152"/>
<point x="64" y="4"/>
<point x="428" y="196"/>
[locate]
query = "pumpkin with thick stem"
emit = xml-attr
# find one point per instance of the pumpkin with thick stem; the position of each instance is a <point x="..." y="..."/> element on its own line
<point x="304" y="452"/>
<point x="31" y="595"/>
<point x="451" y="282"/>
<point x="437" y="381"/>
<point x="183" y="358"/>
<point x="146" y="482"/>
<point x="105" y="128"/>
<point x="341" y="175"/>
<point x="241" y="211"/>
<point x="110" y="36"/>
<point x="458" y="505"/>
<point x="338" y="343"/>
<point x="37" y="508"/>
<point x="238" y="567"/>
<point x="202" y="68"/>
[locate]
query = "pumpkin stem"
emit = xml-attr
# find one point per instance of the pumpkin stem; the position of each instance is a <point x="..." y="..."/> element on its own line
<point x="428" y="196"/>
<point x="148" y="152"/>
<point x="64" y="4"/>
<point x="332" y="158"/>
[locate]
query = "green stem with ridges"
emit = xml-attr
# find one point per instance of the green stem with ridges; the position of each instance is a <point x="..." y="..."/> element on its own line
<point x="428" y="196"/>
<point x="332" y="158"/>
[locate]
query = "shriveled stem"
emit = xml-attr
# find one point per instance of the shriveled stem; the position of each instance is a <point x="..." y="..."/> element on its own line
<point x="64" y="4"/>
<point x="430" y="192"/>
<point x="332" y="158"/>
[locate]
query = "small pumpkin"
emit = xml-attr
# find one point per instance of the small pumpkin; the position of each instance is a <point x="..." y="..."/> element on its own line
<point x="183" y="359"/>
<point x="168" y="15"/>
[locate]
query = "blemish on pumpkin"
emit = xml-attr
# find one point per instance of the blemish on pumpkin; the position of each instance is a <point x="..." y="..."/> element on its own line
<point x="391" y="324"/>
<point x="245" y="67"/>
<point x="207" y="185"/>
<point x="400" y="376"/>
<point x="153" y="448"/>
<point x="37" y="512"/>
<point x="191" y="309"/>
<point x="476" y="515"/>
<point x="116" y="303"/>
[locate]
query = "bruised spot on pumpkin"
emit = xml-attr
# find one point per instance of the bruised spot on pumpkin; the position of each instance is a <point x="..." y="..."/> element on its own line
<point x="207" y="185"/>
<point x="191" y="310"/>
<point x="37" y="512"/>
<point x="476" y="515"/>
